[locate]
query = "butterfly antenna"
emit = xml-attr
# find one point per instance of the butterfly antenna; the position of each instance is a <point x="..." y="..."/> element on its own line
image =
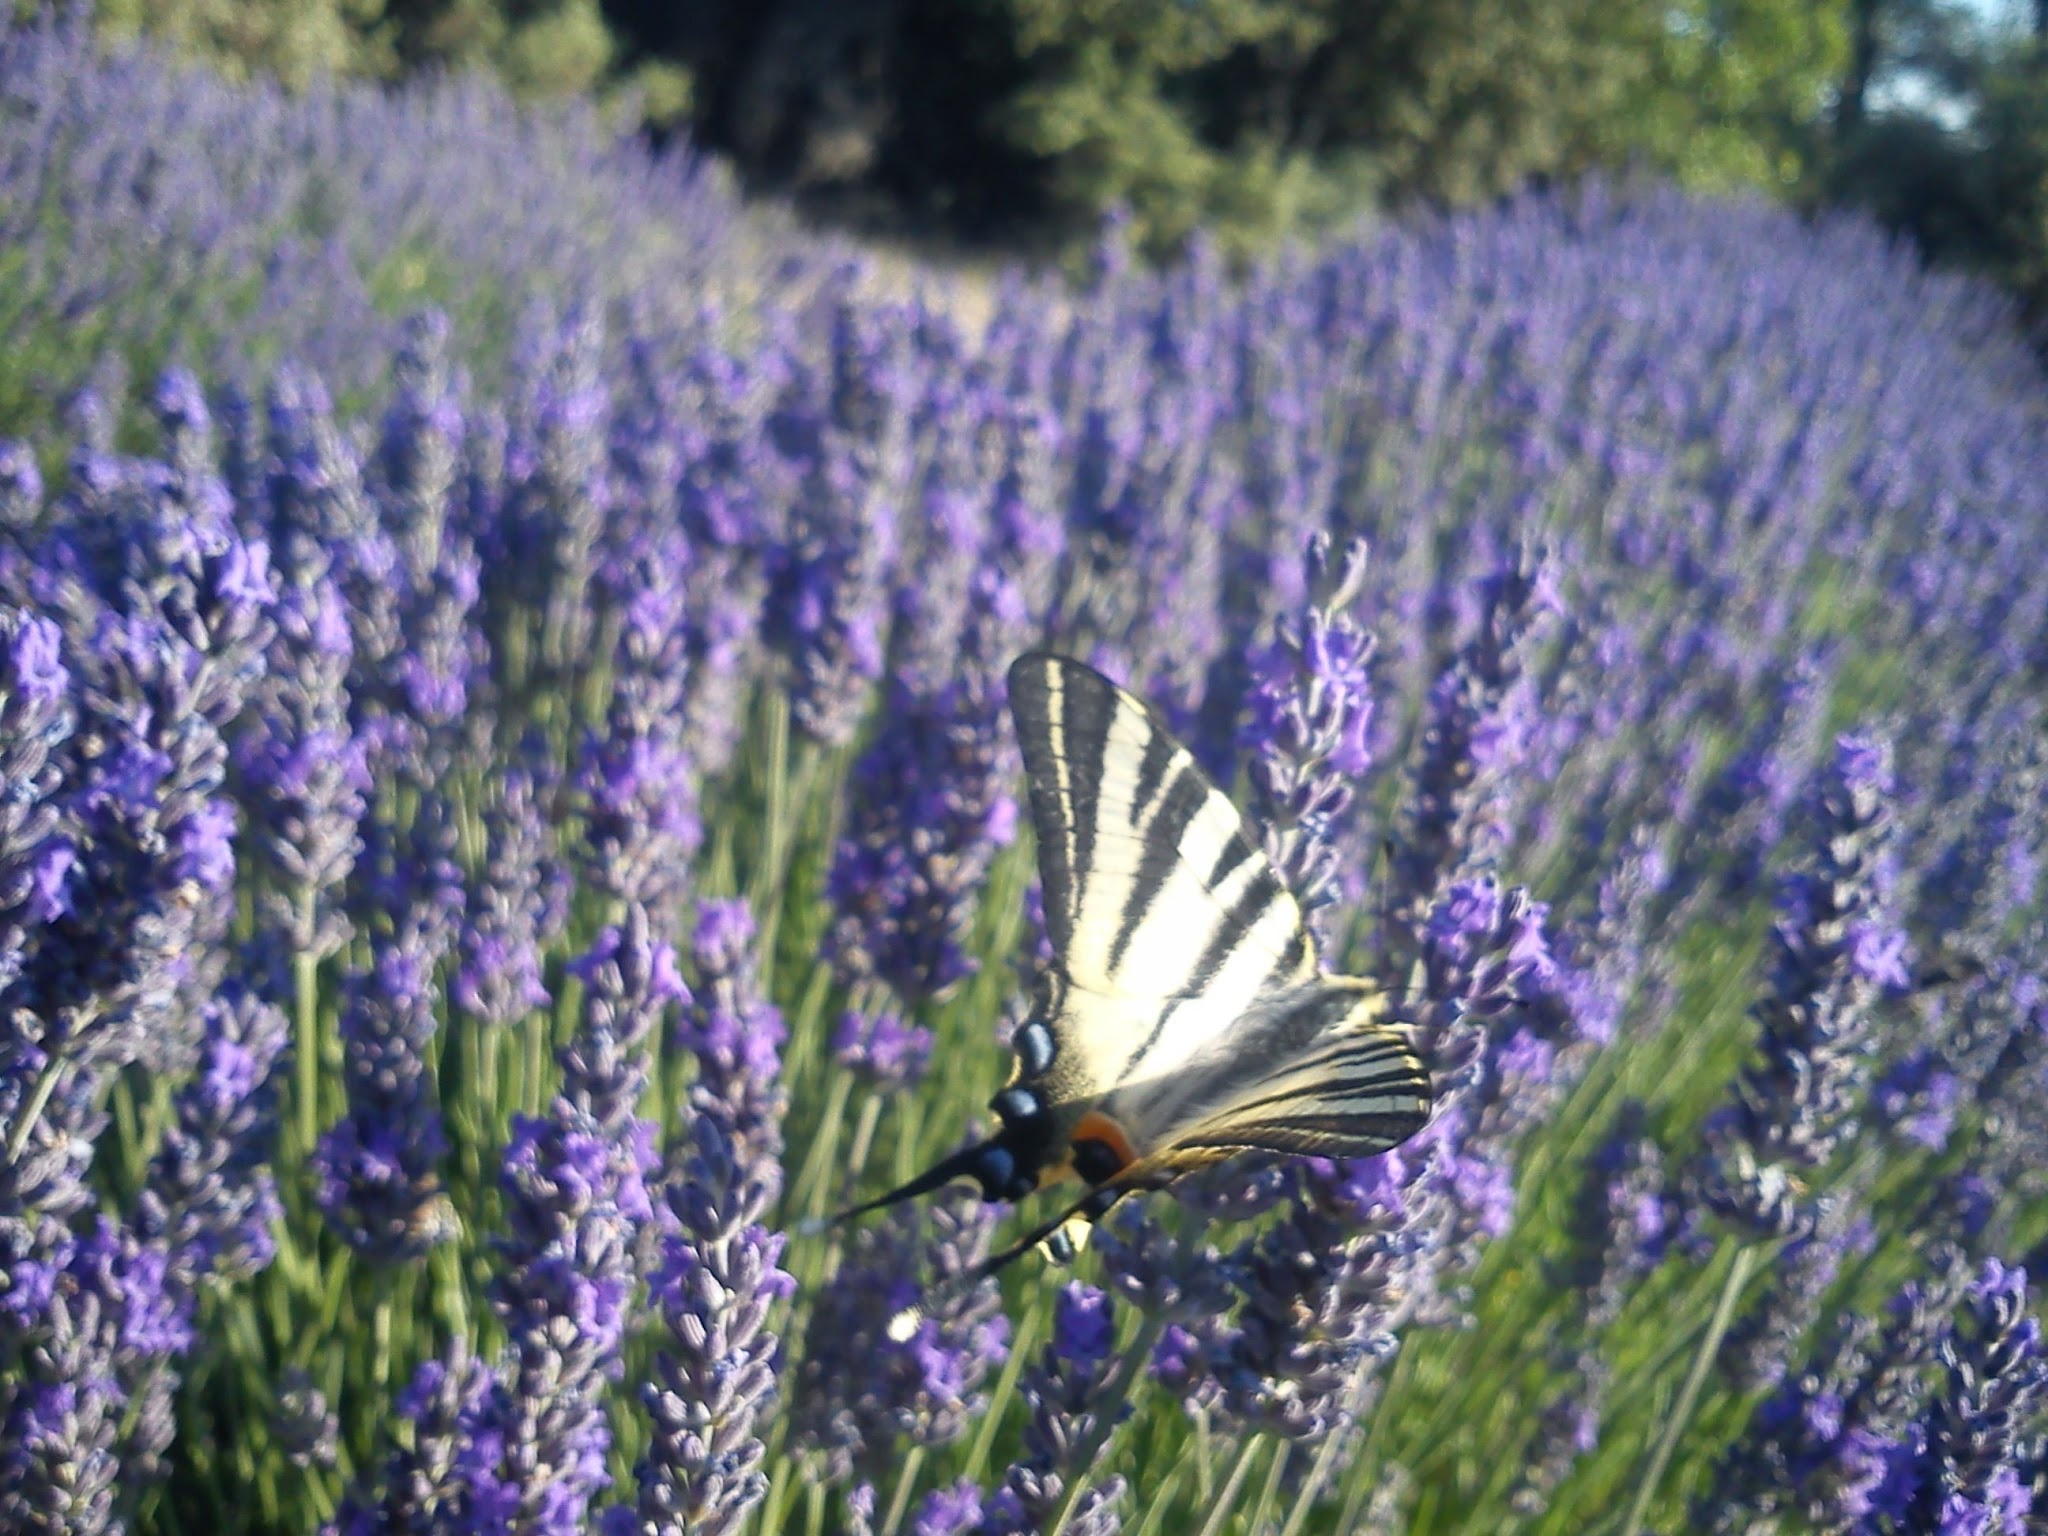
<point x="944" y="1293"/>
<point x="942" y="1172"/>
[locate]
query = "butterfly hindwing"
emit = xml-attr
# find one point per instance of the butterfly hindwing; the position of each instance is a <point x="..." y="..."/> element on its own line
<point x="1313" y="1069"/>
<point x="1167" y="922"/>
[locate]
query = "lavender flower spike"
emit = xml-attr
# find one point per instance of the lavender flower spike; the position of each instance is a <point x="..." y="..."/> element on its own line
<point x="1996" y="1383"/>
<point x="35" y="719"/>
<point x="1061" y="1390"/>
<point x="1831" y="961"/>
<point x="859" y="1390"/>
<point x="1310" y="711"/>
<point x="575" y="1202"/>
<point x="211" y="1198"/>
<point x="714" y="1375"/>
<point x="736" y="1034"/>
<point x="377" y="1166"/>
<point x="632" y="982"/>
<point x="1474" y="734"/>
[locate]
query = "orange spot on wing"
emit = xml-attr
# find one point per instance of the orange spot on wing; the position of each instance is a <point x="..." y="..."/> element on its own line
<point x="1096" y="1126"/>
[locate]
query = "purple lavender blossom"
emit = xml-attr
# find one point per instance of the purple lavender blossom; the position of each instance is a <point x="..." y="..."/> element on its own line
<point x="732" y="484"/>
<point x="930" y="808"/>
<point x="1309" y="711"/>
<point x="210" y="1198"/>
<point x="574" y="1201"/>
<point x="1609" y="960"/>
<point x="300" y="768"/>
<point x="1792" y="1106"/>
<point x="428" y="679"/>
<point x="420" y="454"/>
<point x="62" y="1470"/>
<point x="1474" y="735"/>
<point x="166" y="619"/>
<point x="1328" y="1290"/>
<point x="736" y="1035"/>
<point x="882" y="1049"/>
<point x="637" y="776"/>
<point x="714" y="1370"/>
<point x="525" y="1443"/>
<point x="379" y="1185"/>
<point x="829" y="585"/>
<point x="1963" y="1476"/>
<point x="498" y="980"/>
<point x="188" y="197"/>
<point x="306" y="1424"/>
<point x="630" y="982"/>
<point x="1061" y="1389"/>
<point x="35" y="721"/>
<point x="560" y="493"/>
<point x="1918" y="1098"/>
<point x="858" y="1390"/>
<point x="96" y="1376"/>
<point x="1824" y="1445"/>
<point x="322" y="521"/>
<point x="949" y="1511"/>
<point x="449" y="1475"/>
<point x="1486" y="961"/>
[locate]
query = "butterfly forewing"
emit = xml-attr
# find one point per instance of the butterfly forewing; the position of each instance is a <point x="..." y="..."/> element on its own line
<point x="1167" y="922"/>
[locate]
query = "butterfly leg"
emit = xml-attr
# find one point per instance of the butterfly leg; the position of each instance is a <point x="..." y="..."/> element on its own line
<point x="1065" y="1243"/>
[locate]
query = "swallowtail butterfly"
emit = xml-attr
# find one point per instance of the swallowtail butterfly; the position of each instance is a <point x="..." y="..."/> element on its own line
<point x="1183" y="1017"/>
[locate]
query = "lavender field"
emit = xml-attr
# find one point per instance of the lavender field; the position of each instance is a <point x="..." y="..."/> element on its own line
<point x="509" y="807"/>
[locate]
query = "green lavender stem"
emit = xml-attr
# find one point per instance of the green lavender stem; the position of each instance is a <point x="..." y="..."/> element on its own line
<point x="1688" y="1398"/>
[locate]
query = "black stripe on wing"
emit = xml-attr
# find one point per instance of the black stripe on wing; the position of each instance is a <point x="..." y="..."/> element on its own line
<point x="1355" y="1098"/>
<point x="1315" y="1070"/>
<point x="1342" y="1133"/>
<point x="1038" y="705"/>
<point x="1085" y="720"/>
<point x="1161" y="833"/>
<point x="1103" y="770"/>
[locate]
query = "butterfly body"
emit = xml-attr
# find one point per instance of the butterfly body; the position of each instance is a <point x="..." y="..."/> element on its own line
<point x="1183" y="1016"/>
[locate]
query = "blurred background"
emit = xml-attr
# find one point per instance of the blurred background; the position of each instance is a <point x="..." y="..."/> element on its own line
<point x="1010" y="126"/>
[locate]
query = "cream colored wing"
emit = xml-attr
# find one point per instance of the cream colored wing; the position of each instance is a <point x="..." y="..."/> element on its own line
<point x="1315" y="1070"/>
<point x="1167" y="922"/>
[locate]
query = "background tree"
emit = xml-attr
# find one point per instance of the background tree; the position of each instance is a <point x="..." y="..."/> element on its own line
<point x="295" y="40"/>
<point x="1941" y="132"/>
<point x="1007" y="118"/>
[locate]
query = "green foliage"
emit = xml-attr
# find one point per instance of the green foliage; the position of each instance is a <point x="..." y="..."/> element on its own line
<point x="539" y="47"/>
<point x="1257" y="116"/>
<point x="1114" y="108"/>
<point x="1025" y="120"/>
<point x="1736" y="89"/>
<point x="295" y="40"/>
